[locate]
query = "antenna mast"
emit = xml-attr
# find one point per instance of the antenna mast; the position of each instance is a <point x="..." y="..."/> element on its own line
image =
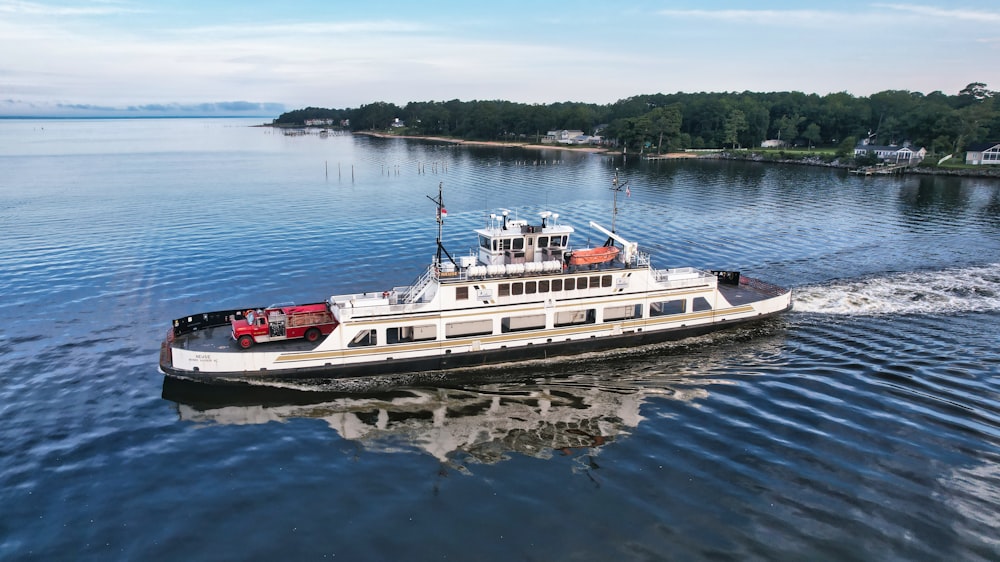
<point x="441" y="212"/>
<point x="616" y="188"/>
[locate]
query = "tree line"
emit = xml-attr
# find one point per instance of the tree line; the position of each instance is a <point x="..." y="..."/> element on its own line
<point x="664" y="122"/>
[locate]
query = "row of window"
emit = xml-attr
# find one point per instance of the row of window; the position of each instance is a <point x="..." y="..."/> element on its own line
<point x="517" y="243"/>
<point x="542" y="286"/>
<point x="483" y="327"/>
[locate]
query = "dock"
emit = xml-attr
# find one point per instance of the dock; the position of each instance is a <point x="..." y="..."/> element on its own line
<point x="881" y="170"/>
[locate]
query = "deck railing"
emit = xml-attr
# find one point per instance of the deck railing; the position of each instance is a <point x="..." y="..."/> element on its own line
<point x="414" y="289"/>
<point x="762" y="286"/>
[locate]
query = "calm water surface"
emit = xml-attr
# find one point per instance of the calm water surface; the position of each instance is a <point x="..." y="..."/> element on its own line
<point x="865" y="425"/>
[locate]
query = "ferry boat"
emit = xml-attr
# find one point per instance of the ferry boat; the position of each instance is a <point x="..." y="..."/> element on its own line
<point x="521" y="295"/>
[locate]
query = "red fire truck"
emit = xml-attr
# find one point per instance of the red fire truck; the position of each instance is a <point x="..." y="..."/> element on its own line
<point x="283" y="322"/>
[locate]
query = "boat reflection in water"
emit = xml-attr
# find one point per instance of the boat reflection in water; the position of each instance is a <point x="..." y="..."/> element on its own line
<point x="483" y="424"/>
<point x="576" y="406"/>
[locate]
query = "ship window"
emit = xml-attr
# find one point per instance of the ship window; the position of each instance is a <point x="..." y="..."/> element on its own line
<point x="461" y="293"/>
<point x="606" y="281"/>
<point x="364" y="338"/>
<point x="595" y="281"/>
<point x="494" y="245"/>
<point x="563" y="242"/>
<point x="484" y="242"/>
<point x="622" y="312"/>
<point x="517" y="288"/>
<point x="519" y="243"/>
<point x="518" y="323"/>
<point x="530" y="287"/>
<point x="570" y="284"/>
<point x="503" y="290"/>
<point x="665" y="308"/>
<point x="543" y="241"/>
<point x="543" y="286"/>
<point x="505" y="244"/>
<point x="556" y="285"/>
<point x="571" y="317"/>
<point x="403" y="334"/>
<point x="700" y="304"/>
<point x="470" y="328"/>
<point x="581" y="282"/>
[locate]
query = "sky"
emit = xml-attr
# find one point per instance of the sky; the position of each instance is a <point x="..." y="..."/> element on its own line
<point x="252" y="57"/>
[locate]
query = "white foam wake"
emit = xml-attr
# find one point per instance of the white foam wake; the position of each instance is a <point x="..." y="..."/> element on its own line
<point x="972" y="289"/>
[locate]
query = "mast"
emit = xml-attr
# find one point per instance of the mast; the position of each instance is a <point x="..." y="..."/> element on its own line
<point x="616" y="188"/>
<point x="441" y="212"/>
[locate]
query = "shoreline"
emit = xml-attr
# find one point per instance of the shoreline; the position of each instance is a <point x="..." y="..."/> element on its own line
<point x="497" y="144"/>
<point x="986" y="173"/>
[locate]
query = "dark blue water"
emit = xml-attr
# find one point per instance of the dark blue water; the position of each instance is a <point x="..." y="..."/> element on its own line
<point x="864" y="425"/>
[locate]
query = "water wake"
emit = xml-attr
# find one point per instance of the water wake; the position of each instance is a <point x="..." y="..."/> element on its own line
<point x="971" y="289"/>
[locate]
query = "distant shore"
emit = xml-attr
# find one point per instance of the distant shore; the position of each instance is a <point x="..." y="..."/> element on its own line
<point x="721" y="154"/>
<point x="500" y="144"/>
<point x="528" y="145"/>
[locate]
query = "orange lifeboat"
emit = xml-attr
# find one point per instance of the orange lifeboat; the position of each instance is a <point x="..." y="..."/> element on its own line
<point x="592" y="256"/>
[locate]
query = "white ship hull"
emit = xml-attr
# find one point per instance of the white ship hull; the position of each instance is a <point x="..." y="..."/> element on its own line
<point x="628" y="307"/>
<point x="525" y="294"/>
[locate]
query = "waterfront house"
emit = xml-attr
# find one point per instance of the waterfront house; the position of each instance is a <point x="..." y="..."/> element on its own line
<point x="983" y="153"/>
<point x="905" y="154"/>
<point x="564" y="136"/>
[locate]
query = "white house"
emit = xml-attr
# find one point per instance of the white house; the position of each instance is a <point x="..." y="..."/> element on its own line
<point x="983" y="153"/>
<point x="564" y="137"/>
<point x="896" y="154"/>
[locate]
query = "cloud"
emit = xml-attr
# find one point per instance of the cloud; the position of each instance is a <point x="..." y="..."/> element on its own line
<point x="286" y="30"/>
<point x="876" y="14"/>
<point x="938" y="14"/>
<point x="208" y="108"/>
<point x="821" y="18"/>
<point x="18" y="107"/>
<point x="47" y="10"/>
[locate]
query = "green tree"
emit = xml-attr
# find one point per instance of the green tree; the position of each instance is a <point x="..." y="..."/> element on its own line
<point x="788" y="127"/>
<point x="665" y="122"/>
<point x="736" y="123"/>
<point x="812" y="134"/>
<point x="846" y="147"/>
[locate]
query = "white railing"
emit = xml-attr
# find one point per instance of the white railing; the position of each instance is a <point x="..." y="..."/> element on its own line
<point x="684" y="277"/>
<point x="414" y="290"/>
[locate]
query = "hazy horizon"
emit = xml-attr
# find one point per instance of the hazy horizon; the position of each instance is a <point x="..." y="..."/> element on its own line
<point x="137" y="57"/>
